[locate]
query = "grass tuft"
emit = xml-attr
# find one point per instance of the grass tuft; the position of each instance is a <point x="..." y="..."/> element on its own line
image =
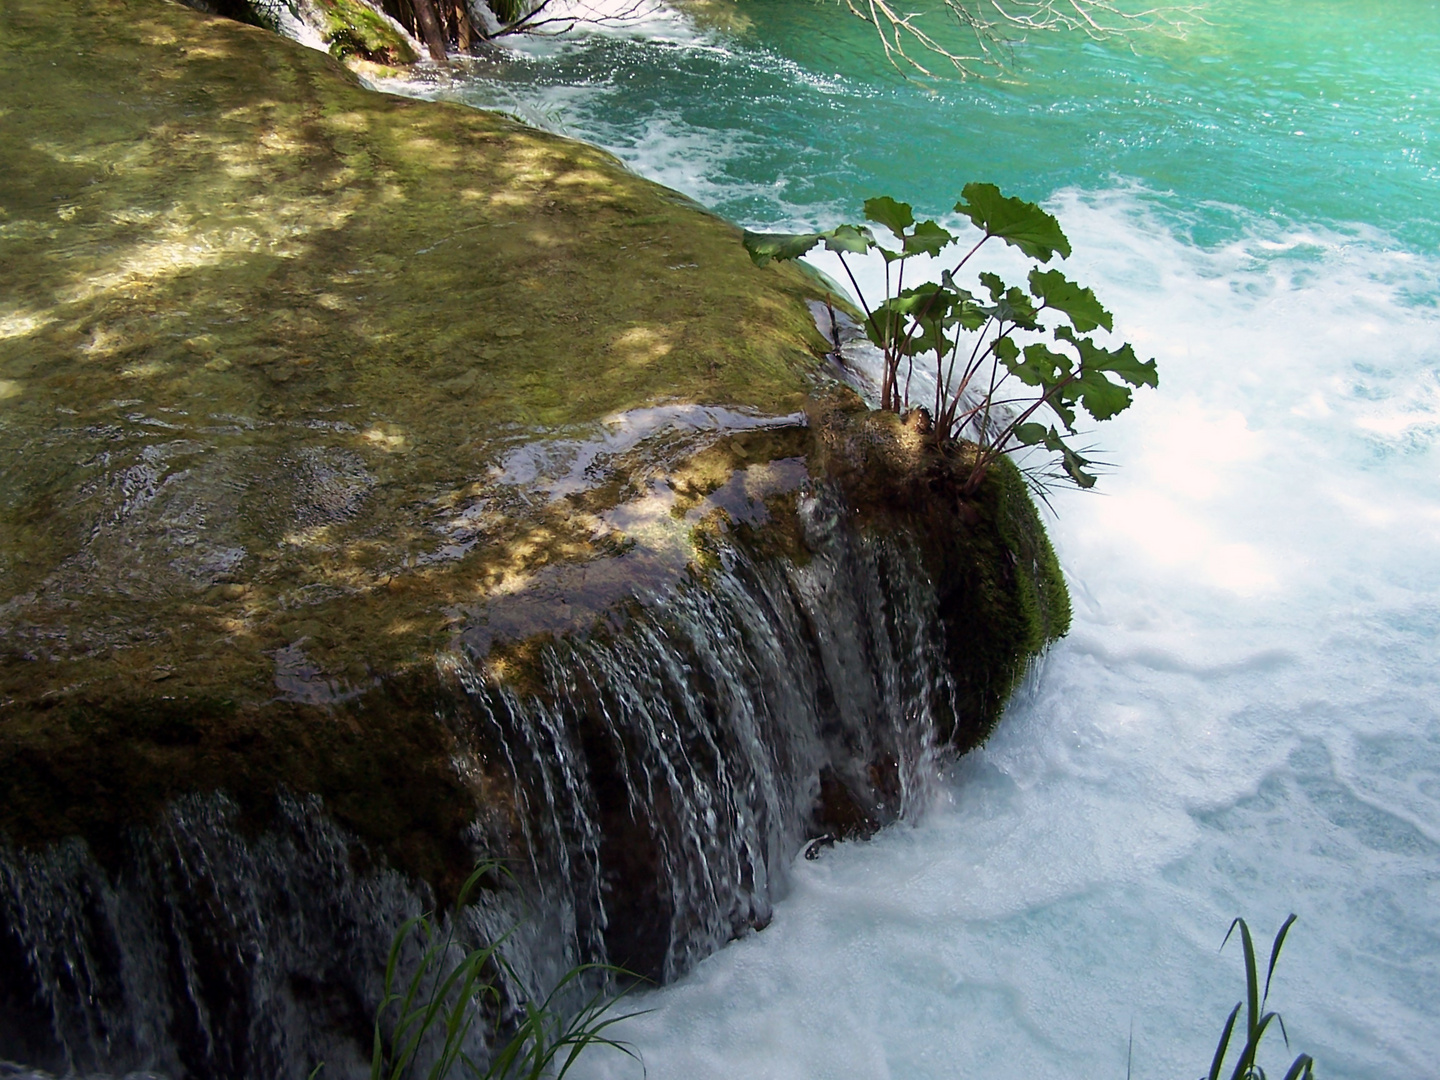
<point x="426" y="1020"/>
<point x="1257" y="1020"/>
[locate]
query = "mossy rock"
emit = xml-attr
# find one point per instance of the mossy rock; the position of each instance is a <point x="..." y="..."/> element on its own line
<point x="297" y="388"/>
<point x="353" y="29"/>
<point x="1001" y="590"/>
<point x="267" y="339"/>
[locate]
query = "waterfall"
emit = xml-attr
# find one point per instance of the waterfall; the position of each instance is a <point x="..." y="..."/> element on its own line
<point x="664" y="767"/>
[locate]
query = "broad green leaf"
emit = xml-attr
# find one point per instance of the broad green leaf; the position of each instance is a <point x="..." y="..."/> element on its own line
<point x="1127" y="365"/>
<point x="766" y="246"/>
<point x="1061" y="408"/>
<point x="1122" y="361"/>
<point x="1030" y="434"/>
<point x="895" y="216"/>
<point x="920" y="314"/>
<point x="1006" y="349"/>
<point x="849" y="239"/>
<point x="928" y="239"/>
<point x="994" y="284"/>
<point x="1041" y="366"/>
<point x="928" y="298"/>
<point x="1057" y="291"/>
<point x="888" y="323"/>
<point x="969" y="314"/>
<point x="1101" y="397"/>
<point x="1019" y="223"/>
<point x="965" y="310"/>
<point x="1015" y="307"/>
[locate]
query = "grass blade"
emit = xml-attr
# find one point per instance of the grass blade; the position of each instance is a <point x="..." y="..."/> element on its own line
<point x="1252" y="981"/>
<point x="1257" y="1024"/>
<point x="1224" y="1045"/>
<point x="1275" y="950"/>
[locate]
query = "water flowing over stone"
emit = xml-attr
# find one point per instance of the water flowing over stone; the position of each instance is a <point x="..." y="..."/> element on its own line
<point x="665" y="769"/>
<point x="673" y="768"/>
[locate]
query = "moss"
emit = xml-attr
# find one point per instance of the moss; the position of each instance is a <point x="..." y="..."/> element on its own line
<point x="266" y="341"/>
<point x="353" y="29"/>
<point x="95" y="768"/>
<point x="1002" y="594"/>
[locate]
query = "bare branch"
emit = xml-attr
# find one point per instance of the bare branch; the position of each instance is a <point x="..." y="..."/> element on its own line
<point x="996" y="26"/>
<point x="552" y="17"/>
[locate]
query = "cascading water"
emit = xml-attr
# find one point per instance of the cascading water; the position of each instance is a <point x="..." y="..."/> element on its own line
<point x="666" y="770"/>
<point x="673" y="766"/>
<point x="206" y="952"/>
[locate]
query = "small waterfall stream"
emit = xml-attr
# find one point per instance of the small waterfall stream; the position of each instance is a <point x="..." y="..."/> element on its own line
<point x="665" y="772"/>
<point x="672" y="770"/>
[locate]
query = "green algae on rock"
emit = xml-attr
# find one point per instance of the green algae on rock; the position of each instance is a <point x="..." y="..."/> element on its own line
<point x="305" y="389"/>
<point x="353" y="29"/>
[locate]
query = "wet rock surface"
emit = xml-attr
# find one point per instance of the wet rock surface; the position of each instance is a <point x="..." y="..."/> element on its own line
<point x="272" y="351"/>
<point x="376" y="498"/>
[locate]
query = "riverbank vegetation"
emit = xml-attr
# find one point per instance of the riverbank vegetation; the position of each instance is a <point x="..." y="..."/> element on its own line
<point x="451" y="1006"/>
<point x="999" y="363"/>
<point x="964" y="38"/>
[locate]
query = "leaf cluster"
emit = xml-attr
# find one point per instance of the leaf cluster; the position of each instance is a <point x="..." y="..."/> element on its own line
<point x="1014" y="366"/>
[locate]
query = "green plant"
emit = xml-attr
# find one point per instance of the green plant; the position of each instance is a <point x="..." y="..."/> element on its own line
<point x="997" y="361"/>
<point x="430" y="1014"/>
<point x="1257" y="1021"/>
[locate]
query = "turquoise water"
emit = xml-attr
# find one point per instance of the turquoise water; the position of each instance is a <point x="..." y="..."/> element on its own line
<point x="1294" y="112"/>
<point x="1245" y="719"/>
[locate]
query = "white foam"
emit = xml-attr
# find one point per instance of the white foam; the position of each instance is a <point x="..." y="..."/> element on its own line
<point x="1242" y="722"/>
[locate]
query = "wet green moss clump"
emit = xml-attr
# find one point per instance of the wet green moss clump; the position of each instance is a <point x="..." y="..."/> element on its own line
<point x="1002" y="596"/>
<point x="353" y="29"/>
<point x="1001" y="590"/>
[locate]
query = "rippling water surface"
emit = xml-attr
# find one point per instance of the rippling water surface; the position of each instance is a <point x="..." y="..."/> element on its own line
<point x="1245" y="719"/>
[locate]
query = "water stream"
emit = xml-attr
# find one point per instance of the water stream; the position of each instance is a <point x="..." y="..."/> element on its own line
<point x="663" y="770"/>
<point x="1243" y="720"/>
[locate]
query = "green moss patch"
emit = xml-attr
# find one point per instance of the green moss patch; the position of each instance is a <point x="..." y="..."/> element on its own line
<point x="296" y="379"/>
<point x="1001" y="590"/>
<point x="353" y="29"/>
